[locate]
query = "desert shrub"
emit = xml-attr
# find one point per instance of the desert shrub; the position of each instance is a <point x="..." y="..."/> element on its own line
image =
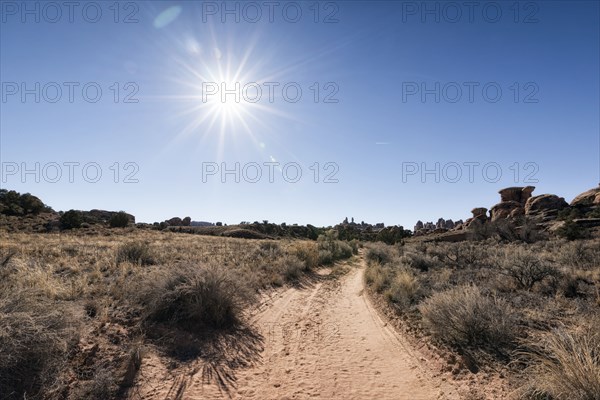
<point x="331" y="249"/>
<point x="71" y="219"/>
<point x="404" y="289"/>
<point x="525" y="267"/>
<point x="135" y="252"/>
<point x="119" y="220"/>
<point x="529" y="232"/>
<point x="595" y="213"/>
<point x="569" y="213"/>
<point x="269" y="247"/>
<point x="463" y="316"/>
<point x="354" y="244"/>
<point x="580" y="254"/>
<point x="325" y="257"/>
<point x="36" y="336"/>
<point x="379" y="253"/>
<point x="378" y="277"/>
<point x="195" y="296"/>
<point x="291" y="267"/>
<point x="572" y="231"/>
<point x="308" y="253"/>
<point x="419" y="261"/>
<point x="566" y="365"/>
<point x="452" y="254"/>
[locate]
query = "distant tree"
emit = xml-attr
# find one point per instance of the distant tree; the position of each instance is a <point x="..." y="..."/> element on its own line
<point x="72" y="219"/>
<point x="219" y="224"/>
<point x="14" y="203"/>
<point x="119" y="220"/>
<point x="31" y="204"/>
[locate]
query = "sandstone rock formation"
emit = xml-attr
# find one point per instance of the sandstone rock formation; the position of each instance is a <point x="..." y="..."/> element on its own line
<point x="480" y="213"/>
<point x="545" y="206"/>
<point x="512" y="202"/>
<point x="518" y="194"/>
<point x="588" y="198"/>
<point x="505" y="210"/>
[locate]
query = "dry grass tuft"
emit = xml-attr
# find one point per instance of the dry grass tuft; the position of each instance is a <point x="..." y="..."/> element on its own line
<point x="36" y="337"/>
<point x="194" y="296"/>
<point x="404" y="289"/>
<point x="136" y="253"/>
<point x="565" y="365"/>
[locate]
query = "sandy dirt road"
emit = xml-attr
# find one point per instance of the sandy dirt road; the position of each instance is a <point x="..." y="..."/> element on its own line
<point x="323" y="340"/>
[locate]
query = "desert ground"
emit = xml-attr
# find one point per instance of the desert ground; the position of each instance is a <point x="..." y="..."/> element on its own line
<point x="504" y="308"/>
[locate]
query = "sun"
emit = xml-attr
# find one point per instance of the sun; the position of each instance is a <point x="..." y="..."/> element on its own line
<point x="225" y="99"/>
<point x="223" y="89"/>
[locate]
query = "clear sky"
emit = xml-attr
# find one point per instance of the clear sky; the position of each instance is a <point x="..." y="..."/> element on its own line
<point x="464" y="90"/>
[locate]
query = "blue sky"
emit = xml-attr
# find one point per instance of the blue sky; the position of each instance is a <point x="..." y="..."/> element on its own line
<point x="367" y="130"/>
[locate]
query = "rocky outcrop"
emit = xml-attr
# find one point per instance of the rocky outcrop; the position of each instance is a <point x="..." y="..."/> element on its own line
<point x="175" y="221"/>
<point x="442" y="225"/>
<point x="590" y="198"/>
<point x="517" y="194"/>
<point x="512" y="202"/>
<point x="506" y="209"/>
<point x="480" y="213"/>
<point x="545" y="206"/>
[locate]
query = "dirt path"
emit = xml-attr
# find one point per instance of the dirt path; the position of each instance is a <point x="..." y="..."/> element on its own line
<point x="322" y="341"/>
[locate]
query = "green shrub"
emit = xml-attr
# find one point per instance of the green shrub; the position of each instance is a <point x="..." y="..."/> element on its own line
<point x="379" y="253"/>
<point x="71" y="219"/>
<point x="572" y="231"/>
<point x="119" y="220"/>
<point x="14" y="203"/>
<point x="331" y="249"/>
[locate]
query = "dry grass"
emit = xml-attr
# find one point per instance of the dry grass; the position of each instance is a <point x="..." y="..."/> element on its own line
<point x="464" y="317"/>
<point x="404" y="289"/>
<point x="194" y="296"/>
<point x="114" y="289"/>
<point x="495" y="300"/>
<point x="565" y="365"/>
<point x="36" y="337"/>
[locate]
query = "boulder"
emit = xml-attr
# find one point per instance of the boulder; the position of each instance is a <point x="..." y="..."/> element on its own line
<point x="546" y="206"/>
<point x="517" y="194"/>
<point x="480" y="213"/>
<point x="175" y="221"/>
<point x="506" y="209"/>
<point x="587" y="199"/>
